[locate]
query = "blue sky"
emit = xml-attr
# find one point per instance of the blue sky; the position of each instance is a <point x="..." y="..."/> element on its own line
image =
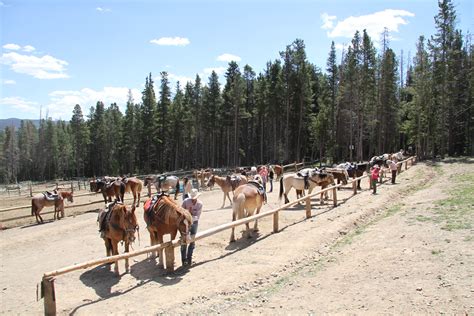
<point x="56" y="54"/>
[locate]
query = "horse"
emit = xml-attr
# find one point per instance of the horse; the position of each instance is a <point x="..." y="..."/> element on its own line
<point x="108" y="190"/>
<point x="39" y="201"/>
<point x="248" y="198"/>
<point x="163" y="184"/>
<point x="379" y="160"/>
<point x="355" y="170"/>
<point x="278" y="171"/>
<point x="340" y="174"/>
<point x="202" y="175"/>
<point x="163" y="216"/>
<point x="293" y="180"/>
<point x="133" y="185"/>
<point x="227" y="184"/>
<point x="187" y="187"/>
<point x="120" y="225"/>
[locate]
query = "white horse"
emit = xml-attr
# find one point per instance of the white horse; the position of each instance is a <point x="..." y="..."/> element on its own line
<point x="292" y="180"/>
<point x="163" y="184"/>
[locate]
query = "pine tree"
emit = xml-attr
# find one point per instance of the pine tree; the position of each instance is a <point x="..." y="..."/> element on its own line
<point x="80" y="141"/>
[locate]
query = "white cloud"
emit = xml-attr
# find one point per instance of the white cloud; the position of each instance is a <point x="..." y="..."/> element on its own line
<point x="171" y="41"/>
<point x="328" y="21"/>
<point x="45" y="67"/>
<point x="9" y="81"/>
<point x="374" y="23"/>
<point x="218" y="70"/>
<point x="228" y="58"/>
<point x="28" y="48"/>
<point x="11" y="46"/>
<point x="102" y="10"/>
<point x="340" y="46"/>
<point x="182" y="79"/>
<point x="20" y="104"/>
<point x="63" y="102"/>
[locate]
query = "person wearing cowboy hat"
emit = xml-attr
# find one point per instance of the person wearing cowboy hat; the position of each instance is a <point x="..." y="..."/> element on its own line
<point x="374" y="176"/>
<point x="194" y="206"/>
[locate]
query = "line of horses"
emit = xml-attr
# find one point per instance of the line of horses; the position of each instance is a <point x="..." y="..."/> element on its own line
<point x="163" y="215"/>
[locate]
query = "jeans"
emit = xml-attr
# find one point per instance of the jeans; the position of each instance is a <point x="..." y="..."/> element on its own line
<point x="187" y="257"/>
<point x="271" y="185"/>
<point x="374" y="186"/>
<point x="394" y="175"/>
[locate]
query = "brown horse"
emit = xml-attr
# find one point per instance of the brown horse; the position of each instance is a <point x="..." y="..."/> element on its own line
<point x="248" y="198"/>
<point x="133" y="185"/>
<point x="120" y="225"/>
<point x="109" y="189"/>
<point x="165" y="217"/>
<point x="39" y="201"/>
<point x="227" y="184"/>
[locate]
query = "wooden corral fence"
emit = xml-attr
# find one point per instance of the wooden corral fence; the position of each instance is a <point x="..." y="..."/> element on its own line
<point x="47" y="283"/>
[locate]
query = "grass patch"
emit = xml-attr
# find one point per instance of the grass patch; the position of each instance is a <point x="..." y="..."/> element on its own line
<point x="436" y="252"/>
<point x="456" y="212"/>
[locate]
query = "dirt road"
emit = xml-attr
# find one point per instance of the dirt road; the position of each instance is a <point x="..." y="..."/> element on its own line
<point x="392" y="252"/>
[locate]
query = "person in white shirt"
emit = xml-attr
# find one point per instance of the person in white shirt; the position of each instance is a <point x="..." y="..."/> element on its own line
<point x="194" y="206"/>
<point x="394" y="168"/>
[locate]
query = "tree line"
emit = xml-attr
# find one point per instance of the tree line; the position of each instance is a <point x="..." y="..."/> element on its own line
<point x="363" y="105"/>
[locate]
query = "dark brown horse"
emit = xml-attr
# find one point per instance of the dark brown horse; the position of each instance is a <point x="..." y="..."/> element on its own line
<point x="39" y="201"/>
<point x="109" y="189"/>
<point x="163" y="216"/>
<point x="120" y="225"/>
<point x="134" y="185"/>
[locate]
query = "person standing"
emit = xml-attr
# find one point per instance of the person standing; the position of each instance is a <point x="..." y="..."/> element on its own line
<point x="271" y="174"/>
<point x="263" y="172"/>
<point x="194" y="206"/>
<point x="374" y="177"/>
<point x="393" y="166"/>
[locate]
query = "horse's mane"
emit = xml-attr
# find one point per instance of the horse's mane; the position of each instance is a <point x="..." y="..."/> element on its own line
<point x="65" y="194"/>
<point x="119" y="210"/>
<point x="167" y="206"/>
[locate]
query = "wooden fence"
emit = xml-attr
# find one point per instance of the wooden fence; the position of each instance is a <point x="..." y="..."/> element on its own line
<point x="47" y="283"/>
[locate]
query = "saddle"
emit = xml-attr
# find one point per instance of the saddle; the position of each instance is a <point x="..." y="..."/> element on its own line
<point x="259" y="187"/>
<point x="149" y="208"/>
<point x="104" y="216"/>
<point x="234" y="181"/>
<point x="51" y="196"/>
<point x="305" y="177"/>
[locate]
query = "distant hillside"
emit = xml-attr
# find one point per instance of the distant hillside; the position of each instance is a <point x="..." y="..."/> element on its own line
<point x="15" y="122"/>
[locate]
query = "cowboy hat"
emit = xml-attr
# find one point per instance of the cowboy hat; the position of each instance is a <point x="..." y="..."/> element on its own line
<point x="194" y="194"/>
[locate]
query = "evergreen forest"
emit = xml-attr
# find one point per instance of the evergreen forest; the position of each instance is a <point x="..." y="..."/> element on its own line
<point x="369" y="102"/>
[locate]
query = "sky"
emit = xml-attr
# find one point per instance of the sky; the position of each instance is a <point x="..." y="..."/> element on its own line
<point x="56" y="54"/>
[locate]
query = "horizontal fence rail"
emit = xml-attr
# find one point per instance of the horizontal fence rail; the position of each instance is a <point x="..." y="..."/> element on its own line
<point x="47" y="283"/>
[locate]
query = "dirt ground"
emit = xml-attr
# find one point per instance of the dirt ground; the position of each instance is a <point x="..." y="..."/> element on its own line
<point x="408" y="249"/>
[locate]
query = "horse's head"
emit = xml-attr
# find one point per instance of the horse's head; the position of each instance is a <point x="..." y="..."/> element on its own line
<point x="211" y="181"/>
<point x="130" y="223"/>
<point x="93" y="185"/>
<point x="68" y="196"/>
<point x="185" y="221"/>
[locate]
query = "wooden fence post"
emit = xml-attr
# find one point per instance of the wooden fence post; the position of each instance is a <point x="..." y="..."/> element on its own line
<point x="354" y="187"/>
<point x="169" y="254"/>
<point x="308" y="207"/>
<point x="296" y="167"/>
<point x="47" y="291"/>
<point x="31" y="189"/>
<point x="334" y="196"/>
<point x="406" y="165"/>
<point x="72" y="187"/>
<point x="275" y="222"/>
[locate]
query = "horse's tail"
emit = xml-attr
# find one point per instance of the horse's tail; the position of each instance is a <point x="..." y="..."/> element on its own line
<point x="33" y="207"/>
<point x="238" y="206"/>
<point x="122" y="191"/>
<point x="281" y="188"/>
